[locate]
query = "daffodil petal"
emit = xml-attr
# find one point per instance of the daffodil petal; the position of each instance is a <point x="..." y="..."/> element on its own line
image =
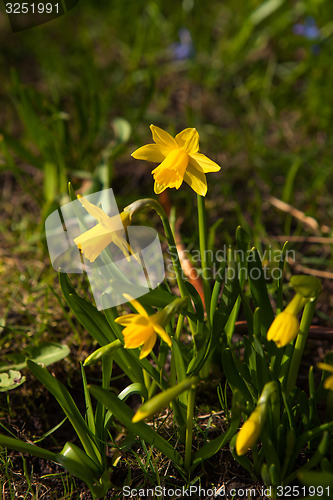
<point x="325" y="366"/>
<point x="125" y="320"/>
<point x="196" y="179"/>
<point x="94" y="211"/>
<point x="188" y="140"/>
<point x="135" y="303"/>
<point x="162" y="138"/>
<point x="328" y="384"/>
<point x="148" y="346"/>
<point x="201" y="162"/>
<point x="163" y="334"/>
<point x="150" y="152"/>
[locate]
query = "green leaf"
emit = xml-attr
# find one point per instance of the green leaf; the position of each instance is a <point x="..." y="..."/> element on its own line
<point x="65" y="400"/>
<point x="92" y="319"/>
<point x="98" y="326"/>
<point x="122" y="129"/>
<point x="124" y="414"/>
<point x="46" y="353"/>
<point x="279" y="291"/>
<point x="10" y="380"/>
<point x="139" y="389"/>
<point x="242" y="242"/>
<point x="312" y="478"/>
<point x="157" y="297"/>
<point x="79" y="464"/>
<point x="199" y="308"/>
<point x="220" y="318"/>
<point x="227" y="302"/>
<point x="233" y="376"/>
<point x="259" y="288"/>
<point x="85" y="468"/>
<point x="211" y="448"/>
<point x="51" y="178"/>
<point x="32" y="449"/>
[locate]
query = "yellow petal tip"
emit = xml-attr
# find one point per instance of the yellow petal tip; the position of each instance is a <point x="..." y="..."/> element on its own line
<point x="138" y="417"/>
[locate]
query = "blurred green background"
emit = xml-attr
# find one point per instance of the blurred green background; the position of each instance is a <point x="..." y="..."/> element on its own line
<point x="255" y="78"/>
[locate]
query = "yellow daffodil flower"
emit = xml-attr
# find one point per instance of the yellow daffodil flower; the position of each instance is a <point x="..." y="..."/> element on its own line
<point x="328" y="384"/>
<point x="179" y="160"/>
<point x="250" y="432"/>
<point x="108" y="230"/>
<point x="140" y="329"/>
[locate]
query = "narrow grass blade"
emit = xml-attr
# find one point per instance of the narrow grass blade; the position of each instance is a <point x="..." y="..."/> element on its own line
<point x="124" y="414"/>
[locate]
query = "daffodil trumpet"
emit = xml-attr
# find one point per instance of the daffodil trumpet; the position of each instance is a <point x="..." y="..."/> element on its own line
<point x="285" y="327"/>
<point x="108" y="230"/>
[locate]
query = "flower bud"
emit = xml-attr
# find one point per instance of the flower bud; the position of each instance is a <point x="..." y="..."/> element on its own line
<point x="161" y="400"/>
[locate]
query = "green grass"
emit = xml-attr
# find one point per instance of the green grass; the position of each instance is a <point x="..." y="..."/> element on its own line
<point x="258" y="94"/>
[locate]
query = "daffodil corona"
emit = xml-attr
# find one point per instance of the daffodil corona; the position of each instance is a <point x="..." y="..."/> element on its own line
<point x="108" y="230"/>
<point x="284" y="329"/>
<point x="179" y="160"/>
<point x="141" y="329"/>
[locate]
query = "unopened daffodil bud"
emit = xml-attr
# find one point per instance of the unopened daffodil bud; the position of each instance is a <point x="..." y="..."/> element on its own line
<point x="308" y="287"/>
<point x="252" y="427"/>
<point x="161" y="400"/>
<point x="250" y="430"/>
<point x="106" y="350"/>
<point x="285" y="327"/>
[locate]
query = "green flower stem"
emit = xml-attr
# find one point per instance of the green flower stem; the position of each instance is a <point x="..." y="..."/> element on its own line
<point x="179" y="327"/>
<point x="300" y="344"/>
<point x="203" y="251"/>
<point x="138" y="206"/>
<point x="189" y="428"/>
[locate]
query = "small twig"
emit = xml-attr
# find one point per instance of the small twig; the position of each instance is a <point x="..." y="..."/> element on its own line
<point x="305" y="219"/>
<point x="307" y="270"/>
